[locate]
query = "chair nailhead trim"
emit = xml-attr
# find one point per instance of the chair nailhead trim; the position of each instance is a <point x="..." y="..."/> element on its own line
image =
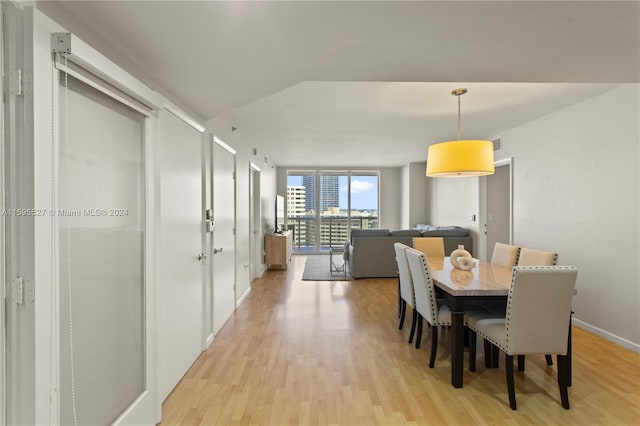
<point x="514" y="272"/>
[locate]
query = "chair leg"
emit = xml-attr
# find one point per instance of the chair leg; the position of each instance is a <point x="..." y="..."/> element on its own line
<point x="487" y="353"/>
<point x="403" y="311"/>
<point x="569" y="358"/>
<point x="520" y="362"/>
<point x="563" y="375"/>
<point x="511" y="388"/>
<point x="419" y="336"/>
<point x="495" y="356"/>
<point x="472" y="350"/>
<point x="399" y="299"/>
<point x="434" y="346"/>
<point x="549" y="359"/>
<point x="414" y="319"/>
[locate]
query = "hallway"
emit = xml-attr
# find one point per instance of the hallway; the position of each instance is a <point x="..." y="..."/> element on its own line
<point x="306" y="352"/>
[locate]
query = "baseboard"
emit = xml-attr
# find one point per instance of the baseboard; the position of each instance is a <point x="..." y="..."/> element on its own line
<point x="209" y="340"/>
<point x="244" y="296"/>
<point x="628" y="344"/>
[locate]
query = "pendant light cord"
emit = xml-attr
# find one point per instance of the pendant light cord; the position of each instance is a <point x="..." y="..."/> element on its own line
<point x="459" y="117"/>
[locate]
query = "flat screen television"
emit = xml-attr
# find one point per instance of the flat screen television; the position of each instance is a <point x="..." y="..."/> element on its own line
<point x="280" y="214"/>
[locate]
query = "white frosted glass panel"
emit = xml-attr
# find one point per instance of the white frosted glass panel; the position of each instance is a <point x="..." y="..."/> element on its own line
<point x="101" y="195"/>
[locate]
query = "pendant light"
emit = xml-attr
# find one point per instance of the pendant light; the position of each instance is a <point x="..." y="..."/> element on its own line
<point x="461" y="158"/>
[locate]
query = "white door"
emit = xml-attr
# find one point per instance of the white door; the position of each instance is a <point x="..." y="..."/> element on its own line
<point x="498" y="219"/>
<point x="180" y="289"/>
<point x="255" y="220"/>
<point x="105" y="352"/>
<point x="224" y="217"/>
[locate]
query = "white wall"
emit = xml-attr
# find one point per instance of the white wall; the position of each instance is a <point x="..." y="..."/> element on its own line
<point x="419" y="194"/>
<point x="415" y="192"/>
<point x="453" y="201"/>
<point x="390" y="198"/>
<point x="405" y="204"/>
<point x="576" y="192"/>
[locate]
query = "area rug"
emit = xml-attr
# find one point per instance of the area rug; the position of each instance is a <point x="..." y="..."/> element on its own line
<point x="316" y="268"/>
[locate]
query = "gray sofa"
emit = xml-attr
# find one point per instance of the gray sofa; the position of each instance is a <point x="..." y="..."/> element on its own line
<point x="369" y="252"/>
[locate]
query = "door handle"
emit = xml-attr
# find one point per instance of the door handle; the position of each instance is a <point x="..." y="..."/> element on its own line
<point x="216" y="251"/>
<point x="201" y="256"/>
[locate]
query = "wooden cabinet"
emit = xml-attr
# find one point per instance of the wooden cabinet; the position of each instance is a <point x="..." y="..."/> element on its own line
<point x="278" y="249"/>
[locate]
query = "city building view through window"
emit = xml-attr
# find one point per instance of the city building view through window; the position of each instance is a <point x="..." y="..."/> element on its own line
<point x="322" y="207"/>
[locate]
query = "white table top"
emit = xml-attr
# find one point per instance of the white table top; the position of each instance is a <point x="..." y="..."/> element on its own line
<point x="485" y="279"/>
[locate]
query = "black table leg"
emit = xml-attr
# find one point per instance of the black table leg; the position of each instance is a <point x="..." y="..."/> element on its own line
<point x="457" y="341"/>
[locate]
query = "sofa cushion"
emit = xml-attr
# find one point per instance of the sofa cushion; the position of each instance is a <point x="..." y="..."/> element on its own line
<point x="406" y="233"/>
<point x="446" y="231"/>
<point x="369" y="233"/>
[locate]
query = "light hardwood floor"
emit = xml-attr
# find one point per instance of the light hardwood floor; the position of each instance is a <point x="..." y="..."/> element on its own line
<point x="318" y="353"/>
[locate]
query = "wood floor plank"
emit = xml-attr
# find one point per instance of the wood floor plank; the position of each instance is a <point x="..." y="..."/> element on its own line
<point x="329" y="353"/>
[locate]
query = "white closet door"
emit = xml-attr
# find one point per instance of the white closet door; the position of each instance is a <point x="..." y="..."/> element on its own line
<point x="180" y="289"/>
<point x="102" y="257"/>
<point x="224" y="240"/>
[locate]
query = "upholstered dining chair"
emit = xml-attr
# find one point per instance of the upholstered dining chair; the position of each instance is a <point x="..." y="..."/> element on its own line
<point x="430" y="246"/>
<point x="428" y="306"/>
<point x="533" y="257"/>
<point x="505" y="255"/>
<point x="536" y="322"/>
<point x="407" y="295"/>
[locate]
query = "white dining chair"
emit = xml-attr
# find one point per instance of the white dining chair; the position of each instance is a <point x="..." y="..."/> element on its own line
<point x="407" y="295"/>
<point x="534" y="257"/>
<point x="505" y="255"/>
<point x="437" y="314"/>
<point x="537" y="321"/>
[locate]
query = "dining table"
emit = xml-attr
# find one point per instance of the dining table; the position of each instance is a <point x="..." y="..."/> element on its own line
<point x="485" y="281"/>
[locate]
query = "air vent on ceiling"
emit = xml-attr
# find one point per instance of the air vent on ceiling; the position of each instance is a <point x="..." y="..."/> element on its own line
<point x="497" y="144"/>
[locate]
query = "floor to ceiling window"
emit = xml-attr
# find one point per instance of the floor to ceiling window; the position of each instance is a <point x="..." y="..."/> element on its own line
<point x="323" y="206"/>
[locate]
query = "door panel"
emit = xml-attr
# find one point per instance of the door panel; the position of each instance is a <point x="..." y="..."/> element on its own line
<point x="223" y="253"/>
<point x="498" y="208"/>
<point x="255" y="221"/>
<point x="180" y="279"/>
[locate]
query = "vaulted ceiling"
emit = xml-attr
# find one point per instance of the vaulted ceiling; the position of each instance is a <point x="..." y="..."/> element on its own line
<point x="365" y="83"/>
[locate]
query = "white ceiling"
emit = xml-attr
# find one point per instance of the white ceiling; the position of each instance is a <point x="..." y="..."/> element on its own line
<point x="365" y="83"/>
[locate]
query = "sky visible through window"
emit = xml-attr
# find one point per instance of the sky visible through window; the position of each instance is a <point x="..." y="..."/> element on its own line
<point x="364" y="191"/>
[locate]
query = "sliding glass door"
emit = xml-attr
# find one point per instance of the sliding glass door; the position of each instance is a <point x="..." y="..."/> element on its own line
<point x="301" y="210"/>
<point x="323" y="206"/>
<point x="364" y="188"/>
<point x="334" y="209"/>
